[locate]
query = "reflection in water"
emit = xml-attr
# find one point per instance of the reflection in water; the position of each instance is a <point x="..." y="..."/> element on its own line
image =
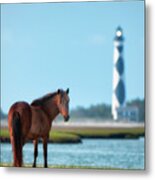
<point x="91" y="152"/>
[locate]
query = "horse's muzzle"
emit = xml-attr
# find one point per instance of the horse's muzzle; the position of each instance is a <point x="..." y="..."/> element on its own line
<point x="67" y="118"/>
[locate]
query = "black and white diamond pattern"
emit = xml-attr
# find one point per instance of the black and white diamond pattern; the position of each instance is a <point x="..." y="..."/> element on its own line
<point x="118" y="99"/>
<point x="119" y="65"/>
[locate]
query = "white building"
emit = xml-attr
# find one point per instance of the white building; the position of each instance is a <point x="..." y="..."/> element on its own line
<point x="130" y="113"/>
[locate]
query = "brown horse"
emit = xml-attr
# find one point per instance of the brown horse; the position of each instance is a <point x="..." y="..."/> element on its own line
<point x="34" y="121"/>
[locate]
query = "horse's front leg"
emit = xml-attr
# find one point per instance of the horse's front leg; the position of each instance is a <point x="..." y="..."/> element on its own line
<point x="35" y="151"/>
<point x="45" y="140"/>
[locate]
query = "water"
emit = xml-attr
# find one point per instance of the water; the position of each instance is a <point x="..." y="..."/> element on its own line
<point x="114" y="153"/>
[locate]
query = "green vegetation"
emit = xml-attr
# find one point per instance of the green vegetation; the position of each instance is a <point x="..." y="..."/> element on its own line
<point x="141" y="105"/>
<point x="103" y="111"/>
<point x="74" y="134"/>
<point x="2" y="115"/>
<point x="90" y="132"/>
<point x="94" y="111"/>
<point x="63" y="137"/>
<point x="4" y="133"/>
<point x="55" y="137"/>
<point x="63" y="167"/>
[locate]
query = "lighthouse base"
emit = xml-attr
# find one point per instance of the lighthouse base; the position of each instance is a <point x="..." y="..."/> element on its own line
<point x="130" y="113"/>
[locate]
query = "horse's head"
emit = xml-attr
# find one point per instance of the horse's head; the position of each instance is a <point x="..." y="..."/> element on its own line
<point x="63" y="103"/>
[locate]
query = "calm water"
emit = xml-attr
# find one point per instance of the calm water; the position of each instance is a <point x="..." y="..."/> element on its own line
<point x="92" y="152"/>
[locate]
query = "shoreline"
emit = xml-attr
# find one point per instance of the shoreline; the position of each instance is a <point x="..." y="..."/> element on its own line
<point x="9" y="165"/>
<point x="86" y="122"/>
<point x="74" y="132"/>
<point x="61" y="135"/>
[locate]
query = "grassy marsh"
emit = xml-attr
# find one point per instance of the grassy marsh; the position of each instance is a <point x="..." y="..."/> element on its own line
<point x="74" y="134"/>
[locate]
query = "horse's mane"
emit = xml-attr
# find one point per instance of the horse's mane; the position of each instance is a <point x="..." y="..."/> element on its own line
<point x="40" y="101"/>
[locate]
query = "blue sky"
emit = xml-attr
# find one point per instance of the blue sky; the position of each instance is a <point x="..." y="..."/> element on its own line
<point x="59" y="45"/>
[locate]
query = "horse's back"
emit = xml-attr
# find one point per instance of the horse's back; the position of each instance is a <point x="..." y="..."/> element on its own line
<point x="40" y="125"/>
<point x="24" y="111"/>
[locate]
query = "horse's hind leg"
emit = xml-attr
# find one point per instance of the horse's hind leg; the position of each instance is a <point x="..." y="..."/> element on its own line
<point x="45" y="151"/>
<point x="35" y="151"/>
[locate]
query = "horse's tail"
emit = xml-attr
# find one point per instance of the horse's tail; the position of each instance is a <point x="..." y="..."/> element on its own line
<point x="16" y="139"/>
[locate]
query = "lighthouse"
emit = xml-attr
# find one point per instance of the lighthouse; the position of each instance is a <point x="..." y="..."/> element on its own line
<point x="118" y="93"/>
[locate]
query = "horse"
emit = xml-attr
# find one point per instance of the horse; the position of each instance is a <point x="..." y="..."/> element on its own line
<point x="34" y="121"/>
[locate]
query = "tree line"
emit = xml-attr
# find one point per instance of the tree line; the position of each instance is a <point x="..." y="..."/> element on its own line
<point x="2" y="114"/>
<point x="103" y="110"/>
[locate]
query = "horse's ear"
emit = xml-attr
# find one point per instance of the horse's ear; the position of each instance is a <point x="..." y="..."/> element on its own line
<point x="67" y="91"/>
<point x="58" y="91"/>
